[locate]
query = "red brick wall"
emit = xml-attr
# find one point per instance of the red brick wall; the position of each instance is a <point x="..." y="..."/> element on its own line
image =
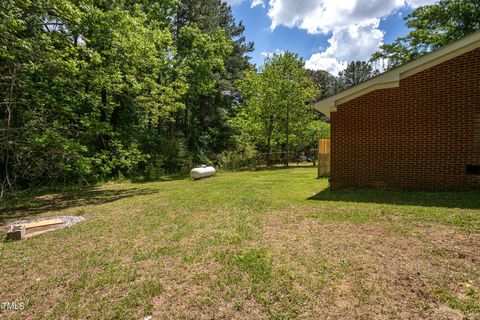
<point x="419" y="135"/>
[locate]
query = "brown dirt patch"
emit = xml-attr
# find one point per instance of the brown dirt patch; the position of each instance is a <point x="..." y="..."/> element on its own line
<point x="368" y="271"/>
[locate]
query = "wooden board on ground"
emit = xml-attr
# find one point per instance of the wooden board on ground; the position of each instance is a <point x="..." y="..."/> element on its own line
<point x="31" y="229"/>
<point x="42" y="223"/>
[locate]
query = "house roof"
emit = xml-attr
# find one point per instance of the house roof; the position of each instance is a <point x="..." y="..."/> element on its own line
<point x="391" y="79"/>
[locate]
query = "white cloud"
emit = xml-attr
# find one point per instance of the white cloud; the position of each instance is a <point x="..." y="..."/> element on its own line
<point x="254" y="2"/>
<point x="258" y="3"/>
<point x="323" y="16"/>
<point x="418" y="3"/>
<point x="233" y="2"/>
<point x="321" y="61"/>
<point x="354" y="42"/>
<point x="268" y="54"/>
<point x="353" y="25"/>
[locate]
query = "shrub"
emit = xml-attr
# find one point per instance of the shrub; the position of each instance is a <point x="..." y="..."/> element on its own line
<point x="238" y="159"/>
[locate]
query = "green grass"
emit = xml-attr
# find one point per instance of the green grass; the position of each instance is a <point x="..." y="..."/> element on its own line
<point x="273" y="244"/>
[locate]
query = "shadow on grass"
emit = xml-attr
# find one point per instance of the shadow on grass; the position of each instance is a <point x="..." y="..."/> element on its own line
<point x="275" y="168"/>
<point x="173" y="177"/>
<point x="465" y="199"/>
<point x="29" y="206"/>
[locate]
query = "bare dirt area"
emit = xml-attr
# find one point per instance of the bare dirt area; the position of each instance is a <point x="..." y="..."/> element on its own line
<point x="368" y="271"/>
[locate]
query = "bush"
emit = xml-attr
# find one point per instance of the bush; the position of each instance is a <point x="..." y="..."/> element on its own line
<point x="238" y="159"/>
<point x="49" y="157"/>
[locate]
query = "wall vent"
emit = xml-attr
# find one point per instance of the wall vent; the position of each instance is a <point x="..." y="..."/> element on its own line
<point x="473" y="169"/>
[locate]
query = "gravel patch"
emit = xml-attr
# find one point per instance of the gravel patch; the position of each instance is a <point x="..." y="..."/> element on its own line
<point x="68" y="221"/>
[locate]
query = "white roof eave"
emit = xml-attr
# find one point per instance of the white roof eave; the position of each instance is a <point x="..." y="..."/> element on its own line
<point x="391" y="79"/>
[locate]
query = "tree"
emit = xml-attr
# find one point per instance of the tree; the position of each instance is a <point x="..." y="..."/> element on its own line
<point x="313" y="129"/>
<point x="258" y="116"/>
<point x="276" y="102"/>
<point x="37" y="56"/>
<point x="355" y="73"/>
<point x="433" y="26"/>
<point x="324" y="80"/>
<point x="94" y="90"/>
<point x="204" y="121"/>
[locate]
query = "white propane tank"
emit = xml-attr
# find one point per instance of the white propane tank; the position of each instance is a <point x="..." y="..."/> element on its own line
<point x="202" y="172"/>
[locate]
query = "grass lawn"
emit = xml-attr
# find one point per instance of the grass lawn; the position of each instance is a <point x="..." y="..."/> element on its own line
<point x="249" y="245"/>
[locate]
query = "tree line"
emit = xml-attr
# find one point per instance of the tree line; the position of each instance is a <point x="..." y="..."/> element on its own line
<point x="93" y="90"/>
<point x="98" y="89"/>
<point x="276" y="109"/>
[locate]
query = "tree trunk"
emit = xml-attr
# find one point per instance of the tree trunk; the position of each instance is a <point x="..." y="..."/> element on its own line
<point x="269" y="134"/>
<point x="6" y="183"/>
<point x="269" y="148"/>
<point x="159" y="125"/>
<point x="185" y="116"/>
<point x="287" y="146"/>
<point x="172" y="131"/>
<point x="202" y="114"/>
<point x="103" y="114"/>
<point x="269" y="139"/>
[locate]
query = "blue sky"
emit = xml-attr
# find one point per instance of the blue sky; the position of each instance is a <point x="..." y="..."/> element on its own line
<point x="326" y="33"/>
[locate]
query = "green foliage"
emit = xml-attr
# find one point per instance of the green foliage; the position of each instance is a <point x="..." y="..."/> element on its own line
<point x="276" y="103"/>
<point x="94" y="90"/>
<point x="241" y="158"/>
<point x="203" y="54"/>
<point x="355" y="73"/>
<point x="325" y="81"/>
<point x="433" y="26"/>
<point x="312" y="129"/>
<point x="217" y="61"/>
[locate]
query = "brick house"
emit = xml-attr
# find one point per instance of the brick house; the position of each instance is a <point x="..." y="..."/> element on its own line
<point x="416" y="126"/>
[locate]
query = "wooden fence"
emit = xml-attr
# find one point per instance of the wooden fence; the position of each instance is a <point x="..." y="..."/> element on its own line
<point x="277" y="158"/>
<point x="323" y="158"/>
